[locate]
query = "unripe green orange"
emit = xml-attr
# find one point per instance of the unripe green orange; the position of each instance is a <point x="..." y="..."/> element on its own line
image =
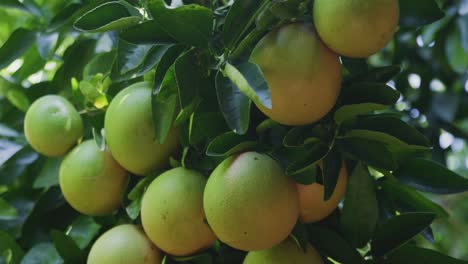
<point x="124" y="244"/>
<point x="313" y="208"/>
<point x="288" y="252"/>
<point x="52" y="125"/>
<point x="130" y="132"/>
<point x="172" y="212"/>
<point x="303" y="75"/>
<point x="91" y="180"/>
<point x="250" y="203"/>
<point x="357" y="28"/>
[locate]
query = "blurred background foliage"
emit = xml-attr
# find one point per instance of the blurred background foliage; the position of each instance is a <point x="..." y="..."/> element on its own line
<point x="433" y="83"/>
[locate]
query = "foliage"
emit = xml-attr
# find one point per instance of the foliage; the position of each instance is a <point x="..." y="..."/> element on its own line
<point x="393" y="108"/>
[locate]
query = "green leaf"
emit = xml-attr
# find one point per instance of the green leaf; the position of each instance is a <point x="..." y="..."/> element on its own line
<point x="139" y="189"/>
<point x="379" y="74"/>
<point x="106" y="17"/>
<point x="371" y="152"/>
<point x="306" y="161"/>
<point x="355" y="66"/>
<point x="49" y="174"/>
<point x="164" y="105"/>
<point x="300" y="235"/>
<point x="360" y="210"/>
<point x="201" y="258"/>
<point x="130" y="56"/>
<point x="8" y="243"/>
<point x="17" y="44"/>
<point x="7" y="212"/>
<point x="234" y="105"/>
<point x="412" y="198"/>
<point x="333" y="245"/>
<point x="6" y="131"/>
<point x="148" y="32"/>
<point x="46" y="44"/>
<point x="456" y="54"/>
<point x="7" y="150"/>
<point x="100" y="64"/>
<point x="429" y="176"/>
<point x="18" y="98"/>
<point x="66" y="247"/>
<point x="206" y="125"/>
<point x="394" y="127"/>
<point x="133" y="209"/>
<point x="347" y="112"/>
<point x="398" y="230"/>
<point x="99" y="138"/>
<point x="250" y="80"/>
<point x="369" y="92"/>
<point x="42" y="253"/>
<point x="418" y="13"/>
<point x="83" y="230"/>
<point x="189" y="24"/>
<point x="305" y="135"/>
<point x="413" y="254"/>
<point x="239" y="18"/>
<point x="189" y="73"/>
<point x="228" y="144"/>
<point x="331" y="171"/>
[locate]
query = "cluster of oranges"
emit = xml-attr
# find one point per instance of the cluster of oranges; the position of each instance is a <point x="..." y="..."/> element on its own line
<point x="247" y="202"/>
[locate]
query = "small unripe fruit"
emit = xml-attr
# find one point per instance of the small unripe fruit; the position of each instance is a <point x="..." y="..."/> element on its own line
<point x="124" y="244"/>
<point x="91" y="180"/>
<point x="52" y="125"/>
<point x="250" y="203"/>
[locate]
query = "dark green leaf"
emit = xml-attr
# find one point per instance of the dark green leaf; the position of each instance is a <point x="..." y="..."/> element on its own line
<point x="392" y="126"/>
<point x="83" y="230"/>
<point x="412" y="198"/>
<point x="6" y="131"/>
<point x="413" y="254"/>
<point x="300" y="235"/>
<point x="418" y="13"/>
<point x="239" y="18"/>
<point x="331" y="168"/>
<point x="371" y="152"/>
<point x="17" y="44"/>
<point x="7" y="150"/>
<point x="379" y="74"/>
<point x="66" y="247"/>
<point x="133" y="209"/>
<point x="398" y="230"/>
<point x="250" y="80"/>
<point x="360" y="211"/>
<point x="429" y="176"/>
<point x="369" y="92"/>
<point x="7" y="211"/>
<point x="355" y="66"/>
<point x="8" y="243"/>
<point x="228" y="144"/>
<point x="46" y="44"/>
<point x="234" y="105"/>
<point x="49" y="174"/>
<point x="347" y="112"/>
<point x="101" y="64"/>
<point x="42" y="253"/>
<point x="164" y="105"/>
<point x="206" y="125"/>
<point x="189" y="75"/>
<point x="106" y="17"/>
<point x="148" y="32"/>
<point x="189" y="24"/>
<point x="130" y="56"/>
<point x="456" y="54"/>
<point x="306" y="160"/>
<point x="333" y="245"/>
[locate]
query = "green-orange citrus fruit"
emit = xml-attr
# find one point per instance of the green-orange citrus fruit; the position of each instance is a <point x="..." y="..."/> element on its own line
<point x="303" y="75"/>
<point x="313" y="208"/>
<point x="130" y="132"/>
<point x="172" y="212"/>
<point x="124" y="244"/>
<point x="357" y="28"/>
<point x="91" y="180"/>
<point x="250" y="203"/>
<point x="52" y="125"/>
<point x="288" y="252"/>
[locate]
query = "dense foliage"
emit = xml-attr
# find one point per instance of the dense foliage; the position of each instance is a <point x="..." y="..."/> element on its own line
<point x="393" y="124"/>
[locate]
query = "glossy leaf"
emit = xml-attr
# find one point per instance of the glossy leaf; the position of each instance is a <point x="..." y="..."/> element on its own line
<point x="66" y="247"/>
<point x="42" y="253"/>
<point x="331" y="167"/>
<point x="418" y="13"/>
<point x="347" y="112"/>
<point x="83" y="230"/>
<point x="371" y="152"/>
<point x="49" y="174"/>
<point x="360" y="210"/>
<point x="228" y="144"/>
<point x="413" y="254"/>
<point x="398" y="230"/>
<point x="429" y="176"/>
<point x="369" y="92"/>
<point x="147" y="32"/>
<point x="8" y="243"/>
<point x="7" y="211"/>
<point x="17" y="44"/>
<point x="7" y="150"/>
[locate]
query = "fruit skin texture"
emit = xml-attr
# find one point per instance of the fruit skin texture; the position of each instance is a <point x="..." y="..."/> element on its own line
<point x="250" y="203"/>
<point x="130" y="132"/>
<point x="303" y="75"/>
<point x="124" y="244"/>
<point x="52" y="125"/>
<point x="288" y="252"/>
<point x="357" y="28"/>
<point x="91" y="180"/>
<point x="172" y="212"/>
<point x="312" y="206"/>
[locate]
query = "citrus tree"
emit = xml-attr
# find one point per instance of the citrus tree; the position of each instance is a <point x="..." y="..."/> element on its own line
<point x="247" y="131"/>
